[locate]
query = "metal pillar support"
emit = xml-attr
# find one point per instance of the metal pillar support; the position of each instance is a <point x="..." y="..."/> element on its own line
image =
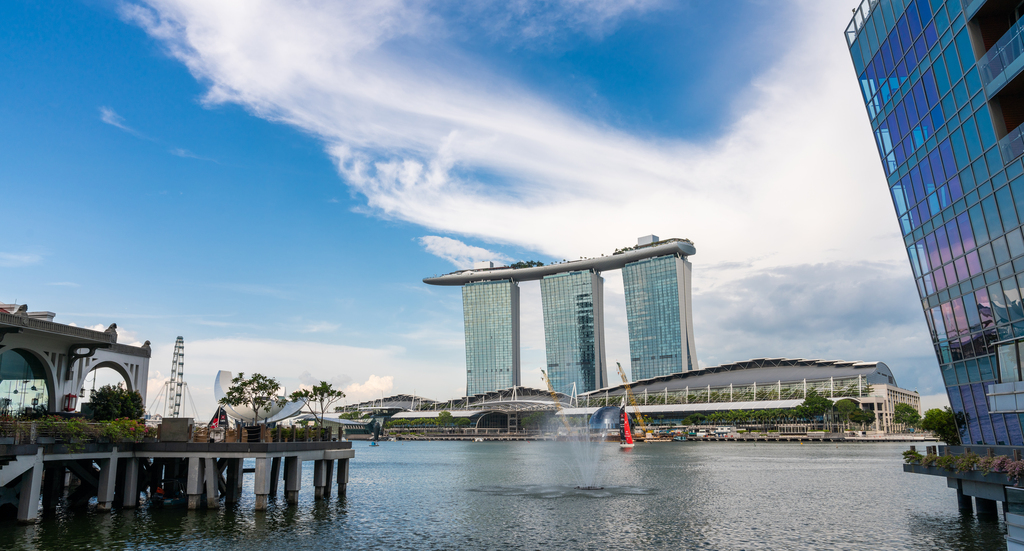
<point x="292" y="479"/>
<point x="342" y="477"/>
<point x="261" y="483"/>
<point x="963" y="501"/>
<point x="986" y="506"/>
<point x="31" y="483"/>
<point x="194" y="487"/>
<point x="319" y="478"/>
<point x="275" y="476"/>
<point x="131" y="483"/>
<point x="233" y="481"/>
<point x="105" y="488"/>
<point x="212" y="476"/>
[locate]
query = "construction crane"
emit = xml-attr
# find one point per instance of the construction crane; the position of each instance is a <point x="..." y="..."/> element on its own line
<point x="558" y="404"/>
<point x="632" y="400"/>
<point x="176" y="383"/>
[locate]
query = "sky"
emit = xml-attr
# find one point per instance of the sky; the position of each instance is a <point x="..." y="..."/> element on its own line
<point x="272" y="181"/>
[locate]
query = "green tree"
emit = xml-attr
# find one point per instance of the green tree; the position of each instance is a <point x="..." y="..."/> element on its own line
<point x="942" y="423"/>
<point x="863" y="417"/>
<point x="846" y="408"/>
<point x="813" y="406"/>
<point x="111" y="402"/>
<point x="906" y="415"/>
<point x="445" y="419"/>
<point x="318" y="399"/>
<point x="537" y="419"/>
<point x="258" y="393"/>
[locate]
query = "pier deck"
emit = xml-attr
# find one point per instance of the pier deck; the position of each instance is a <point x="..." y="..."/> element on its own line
<point x="117" y="473"/>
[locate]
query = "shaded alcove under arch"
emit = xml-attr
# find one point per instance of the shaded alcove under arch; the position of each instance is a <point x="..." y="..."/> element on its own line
<point x="24" y="383"/>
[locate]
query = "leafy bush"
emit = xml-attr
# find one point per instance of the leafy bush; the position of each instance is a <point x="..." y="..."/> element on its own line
<point x="913" y="457"/>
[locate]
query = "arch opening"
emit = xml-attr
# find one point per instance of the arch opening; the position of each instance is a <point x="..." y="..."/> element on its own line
<point x="24" y="385"/>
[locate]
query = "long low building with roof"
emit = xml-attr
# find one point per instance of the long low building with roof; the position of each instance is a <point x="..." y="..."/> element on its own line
<point x="763" y="383"/>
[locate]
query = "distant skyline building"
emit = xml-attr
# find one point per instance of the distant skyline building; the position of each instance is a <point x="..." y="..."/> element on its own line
<point x="573" y="304"/>
<point x="491" y="313"/>
<point x="659" y="316"/>
<point x="572" y="293"/>
<point x="942" y="84"/>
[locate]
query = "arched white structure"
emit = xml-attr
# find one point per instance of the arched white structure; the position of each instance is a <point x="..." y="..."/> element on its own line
<point x="274" y="414"/>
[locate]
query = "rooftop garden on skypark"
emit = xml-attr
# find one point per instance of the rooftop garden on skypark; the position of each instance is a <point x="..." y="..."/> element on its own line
<point x="536" y="263"/>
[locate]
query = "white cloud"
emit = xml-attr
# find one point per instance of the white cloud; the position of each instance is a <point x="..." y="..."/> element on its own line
<point x="15" y="260"/>
<point x="111" y="117"/>
<point x="320" y="327"/>
<point x="407" y="131"/>
<point x="458" y="253"/>
<point x="374" y="387"/>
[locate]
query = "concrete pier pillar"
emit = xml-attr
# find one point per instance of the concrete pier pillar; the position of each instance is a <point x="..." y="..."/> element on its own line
<point x="328" y="476"/>
<point x="261" y="483"/>
<point x="275" y="475"/>
<point x="194" y="485"/>
<point x="53" y="487"/>
<point x="986" y="506"/>
<point x="342" y="477"/>
<point x="319" y="478"/>
<point x="108" y="478"/>
<point x="212" y="476"/>
<point x="31" y="484"/>
<point x="963" y="501"/>
<point x="292" y="479"/>
<point x="234" y="481"/>
<point x="131" y="483"/>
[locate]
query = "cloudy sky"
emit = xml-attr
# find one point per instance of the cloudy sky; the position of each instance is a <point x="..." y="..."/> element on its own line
<point x="273" y="180"/>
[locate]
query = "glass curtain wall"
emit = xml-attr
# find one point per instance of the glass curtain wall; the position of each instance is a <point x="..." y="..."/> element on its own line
<point x="945" y="128"/>
<point x="491" y="312"/>
<point x="658" y="316"/>
<point x="574" y="331"/>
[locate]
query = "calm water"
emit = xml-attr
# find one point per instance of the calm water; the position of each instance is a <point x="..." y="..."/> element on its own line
<point x="448" y="495"/>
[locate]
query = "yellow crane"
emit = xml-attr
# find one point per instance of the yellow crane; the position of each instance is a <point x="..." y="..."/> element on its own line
<point x="632" y="400"/>
<point x="558" y="404"/>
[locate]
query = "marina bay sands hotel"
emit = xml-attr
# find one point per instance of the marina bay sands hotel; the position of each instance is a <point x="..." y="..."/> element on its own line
<point x="656" y="276"/>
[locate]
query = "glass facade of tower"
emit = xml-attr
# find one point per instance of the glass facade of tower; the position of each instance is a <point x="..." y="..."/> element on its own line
<point x="491" y="311"/>
<point x="940" y="80"/>
<point x="658" y="316"/>
<point x="573" y="331"/>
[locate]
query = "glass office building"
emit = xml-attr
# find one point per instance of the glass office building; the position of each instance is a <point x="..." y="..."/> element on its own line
<point x="658" y="316"/>
<point x="573" y="305"/>
<point x="491" y="311"/>
<point x="942" y="85"/>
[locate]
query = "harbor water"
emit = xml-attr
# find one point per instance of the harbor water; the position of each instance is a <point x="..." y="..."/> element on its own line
<point x="521" y="495"/>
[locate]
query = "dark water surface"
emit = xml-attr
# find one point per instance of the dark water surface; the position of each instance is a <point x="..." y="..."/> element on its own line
<point x="498" y="495"/>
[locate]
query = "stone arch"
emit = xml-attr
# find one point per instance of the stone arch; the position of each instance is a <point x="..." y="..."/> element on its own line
<point x="120" y="369"/>
<point x="40" y="365"/>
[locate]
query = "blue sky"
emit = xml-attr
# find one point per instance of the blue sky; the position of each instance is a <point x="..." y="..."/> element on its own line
<point x="272" y="182"/>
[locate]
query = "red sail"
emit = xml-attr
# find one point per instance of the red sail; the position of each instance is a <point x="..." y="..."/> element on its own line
<point x="626" y="430"/>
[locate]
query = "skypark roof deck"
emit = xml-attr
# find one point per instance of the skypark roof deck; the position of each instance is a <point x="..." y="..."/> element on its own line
<point x="600" y="264"/>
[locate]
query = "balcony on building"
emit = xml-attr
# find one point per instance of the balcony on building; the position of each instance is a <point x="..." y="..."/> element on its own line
<point x="997" y="29"/>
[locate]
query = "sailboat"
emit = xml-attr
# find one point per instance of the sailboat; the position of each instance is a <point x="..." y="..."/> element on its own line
<point x="626" y="435"/>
